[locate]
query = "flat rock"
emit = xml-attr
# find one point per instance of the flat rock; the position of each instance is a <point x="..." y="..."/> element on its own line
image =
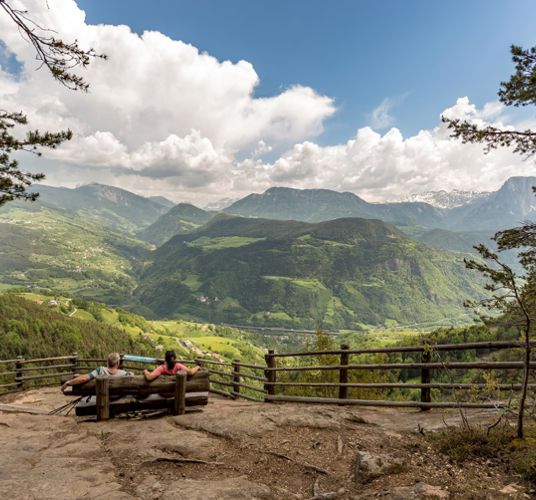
<point x="311" y="419"/>
<point x="243" y="423"/>
<point x="428" y="491"/>
<point x="234" y="488"/>
<point x="368" y="466"/>
<point x="158" y="440"/>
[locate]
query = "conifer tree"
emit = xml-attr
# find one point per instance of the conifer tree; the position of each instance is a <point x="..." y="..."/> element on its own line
<point x="60" y="59"/>
<point x="512" y="294"/>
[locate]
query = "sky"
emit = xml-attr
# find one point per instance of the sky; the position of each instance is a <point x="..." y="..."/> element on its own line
<point x="201" y="100"/>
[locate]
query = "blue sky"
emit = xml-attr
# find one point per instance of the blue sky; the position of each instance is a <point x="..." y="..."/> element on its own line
<point x="422" y="55"/>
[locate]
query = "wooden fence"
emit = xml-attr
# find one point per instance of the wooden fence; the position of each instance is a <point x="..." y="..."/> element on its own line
<point x="284" y="372"/>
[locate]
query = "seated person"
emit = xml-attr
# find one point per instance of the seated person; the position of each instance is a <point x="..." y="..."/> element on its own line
<point x="112" y="370"/>
<point x="170" y="367"/>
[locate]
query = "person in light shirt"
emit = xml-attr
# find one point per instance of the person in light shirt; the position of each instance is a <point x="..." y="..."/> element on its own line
<point x="111" y="370"/>
<point x="170" y="367"/>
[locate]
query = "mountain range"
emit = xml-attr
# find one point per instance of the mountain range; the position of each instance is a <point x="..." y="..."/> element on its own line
<point x="513" y="203"/>
<point x="284" y="257"/>
<point x="317" y="205"/>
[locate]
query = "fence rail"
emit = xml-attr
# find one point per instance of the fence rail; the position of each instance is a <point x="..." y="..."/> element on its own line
<point x="280" y="374"/>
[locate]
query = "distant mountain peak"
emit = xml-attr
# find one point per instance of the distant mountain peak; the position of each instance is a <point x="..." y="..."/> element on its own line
<point x="446" y="199"/>
<point x="219" y="204"/>
<point x="162" y="200"/>
<point x="519" y="184"/>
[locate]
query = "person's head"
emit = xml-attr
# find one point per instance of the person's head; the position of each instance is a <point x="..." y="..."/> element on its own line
<point x="113" y="360"/>
<point x="171" y="357"/>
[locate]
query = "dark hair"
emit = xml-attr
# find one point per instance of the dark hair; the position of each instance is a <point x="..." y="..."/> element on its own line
<point x="170" y="359"/>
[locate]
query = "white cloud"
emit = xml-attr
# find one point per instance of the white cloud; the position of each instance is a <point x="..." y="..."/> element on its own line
<point x="381" y="116"/>
<point x="163" y="118"/>
<point x="386" y="167"/>
<point x="151" y="92"/>
<point x="375" y="166"/>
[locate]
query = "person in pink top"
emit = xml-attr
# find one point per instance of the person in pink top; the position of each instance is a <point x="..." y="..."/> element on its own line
<point x="170" y="367"/>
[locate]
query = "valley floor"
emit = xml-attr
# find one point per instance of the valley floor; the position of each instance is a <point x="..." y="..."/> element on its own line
<point x="238" y="450"/>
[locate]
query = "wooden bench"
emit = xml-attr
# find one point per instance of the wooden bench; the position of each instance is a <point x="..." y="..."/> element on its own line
<point x="109" y="396"/>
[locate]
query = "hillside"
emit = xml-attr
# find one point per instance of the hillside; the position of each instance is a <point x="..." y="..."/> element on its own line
<point x="180" y="219"/>
<point x="188" y="339"/>
<point x="35" y="331"/>
<point x="55" y="249"/>
<point x="339" y="274"/>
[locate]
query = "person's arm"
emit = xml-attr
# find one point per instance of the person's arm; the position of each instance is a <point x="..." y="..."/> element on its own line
<point x="151" y="375"/>
<point x="192" y="371"/>
<point x="81" y="379"/>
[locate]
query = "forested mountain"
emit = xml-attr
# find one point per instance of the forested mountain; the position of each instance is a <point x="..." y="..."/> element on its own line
<point x="316" y="205"/>
<point x="106" y="204"/>
<point x="456" y="241"/>
<point x="338" y="273"/>
<point x="513" y="203"/>
<point x="180" y="219"/>
<point x="465" y="241"/>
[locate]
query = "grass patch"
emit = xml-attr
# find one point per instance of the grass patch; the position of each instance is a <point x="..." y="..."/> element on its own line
<point x="81" y="314"/>
<point x="222" y="242"/>
<point x="312" y="284"/>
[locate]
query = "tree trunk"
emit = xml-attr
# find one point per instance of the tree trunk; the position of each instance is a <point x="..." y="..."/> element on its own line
<point x="526" y="369"/>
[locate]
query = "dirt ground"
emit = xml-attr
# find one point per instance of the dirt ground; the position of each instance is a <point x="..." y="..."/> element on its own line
<point x="238" y="450"/>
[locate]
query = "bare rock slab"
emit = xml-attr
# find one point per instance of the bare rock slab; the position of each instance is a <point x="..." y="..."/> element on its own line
<point x="234" y="488"/>
<point x="368" y="466"/>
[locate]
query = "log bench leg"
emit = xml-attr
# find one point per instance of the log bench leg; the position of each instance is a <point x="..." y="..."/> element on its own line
<point x="102" y="392"/>
<point x="179" y="406"/>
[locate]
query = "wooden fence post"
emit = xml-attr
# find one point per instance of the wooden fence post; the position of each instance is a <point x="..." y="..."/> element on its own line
<point x="179" y="405"/>
<point x="18" y="374"/>
<point x="236" y="378"/>
<point x="74" y="363"/>
<point x="343" y="372"/>
<point x="102" y="392"/>
<point x="426" y="378"/>
<point x="269" y="374"/>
